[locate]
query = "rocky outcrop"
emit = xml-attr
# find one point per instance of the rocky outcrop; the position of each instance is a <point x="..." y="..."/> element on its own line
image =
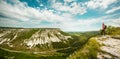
<point x="46" y="36"/>
<point x="32" y="38"/>
<point x="110" y="48"/>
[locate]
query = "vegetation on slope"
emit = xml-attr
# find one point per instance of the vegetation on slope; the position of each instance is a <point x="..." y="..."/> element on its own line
<point x="78" y="41"/>
<point x="80" y="38"/>
<point x="15" y="55"/>
<point x="113" y="30"/>
<point x="25" y="34"/>
<point x="63" y="49"/>
<point x="88" y="51"/>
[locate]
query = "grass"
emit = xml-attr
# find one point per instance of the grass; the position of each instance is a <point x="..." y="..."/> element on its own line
<point x="26" y="34"/>
<point x="113" y="30"/>
<point x="88" y="51"/>
<point x="7" y="55"/>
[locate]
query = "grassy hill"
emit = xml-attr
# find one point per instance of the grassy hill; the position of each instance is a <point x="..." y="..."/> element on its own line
<point x="62" y="50"/>
<point x="90" y="49"/>
<point x="83" y="45"/>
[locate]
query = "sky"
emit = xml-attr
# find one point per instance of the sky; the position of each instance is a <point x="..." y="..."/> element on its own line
<point x="68" y="15"/>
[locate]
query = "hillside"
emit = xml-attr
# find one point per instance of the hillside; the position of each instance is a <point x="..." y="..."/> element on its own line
<point x="100" y="47"/>
<point x="104" y="47"/>
<point x="110" y="47"/>
<point x="52" y="43"/>
<point x="40" y="42"/>
<point x="29" y="39"/>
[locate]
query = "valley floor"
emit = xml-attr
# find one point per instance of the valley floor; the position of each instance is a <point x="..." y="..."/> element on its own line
<point x="100" y="47"/>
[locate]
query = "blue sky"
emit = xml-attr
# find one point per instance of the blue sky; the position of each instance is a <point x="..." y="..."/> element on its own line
<point x="69" y="15"/>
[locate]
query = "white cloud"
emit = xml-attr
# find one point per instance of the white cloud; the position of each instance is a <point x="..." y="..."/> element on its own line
<point x="68" y="1"/>
<point x="74" y="8"/>
<point x="90" y="24"/>
<point x="9" y="22"/>
<point x="81" y="8"/>
<point x="113" y="10"/>
<point x="32" y="17"/>
<point x="20" y="11"/>
<point x="41" y="5"/>
<point x="38" y="1"/>
<point x="13" y="11"/>
<point x="99" y="3"/>
<point x="80" y="25"/>
<point x="114" y="22"/>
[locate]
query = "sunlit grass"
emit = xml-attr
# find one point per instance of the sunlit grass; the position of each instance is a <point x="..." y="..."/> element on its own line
<point x="89" y="51"/>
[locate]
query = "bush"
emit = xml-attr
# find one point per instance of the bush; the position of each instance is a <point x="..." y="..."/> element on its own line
<point x="113" y="30"/>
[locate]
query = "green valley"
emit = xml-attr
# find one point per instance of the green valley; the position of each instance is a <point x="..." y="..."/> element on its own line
<point x="52" y="43"/>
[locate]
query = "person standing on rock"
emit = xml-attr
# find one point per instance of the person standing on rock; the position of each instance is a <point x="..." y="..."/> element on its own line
<point x="103" y="29"/>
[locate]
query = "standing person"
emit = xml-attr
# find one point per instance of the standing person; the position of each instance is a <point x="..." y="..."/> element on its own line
<point x="103" y="29"/>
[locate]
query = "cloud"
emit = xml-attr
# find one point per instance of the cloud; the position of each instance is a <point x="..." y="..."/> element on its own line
<point x="80" y="25"/>
<point x="113" y="10"/>
<point x="66" y="1"/>
<point x="13" y="11"/>
<point x="9" y="22"/>
<point x="81" y="8"/>
<point x="20" y="11"/>
<point x="93" y="4"/>
<point x="61" y="15"/>
<point x="23" y="14"/>
<point x="73" y="8"/>
<point x="91" y="24"/>
<point x="110" y="21"/>
<point x="114" y="22"/>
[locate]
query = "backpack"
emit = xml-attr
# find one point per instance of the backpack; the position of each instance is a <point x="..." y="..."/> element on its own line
<point x="105" y="27"/>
